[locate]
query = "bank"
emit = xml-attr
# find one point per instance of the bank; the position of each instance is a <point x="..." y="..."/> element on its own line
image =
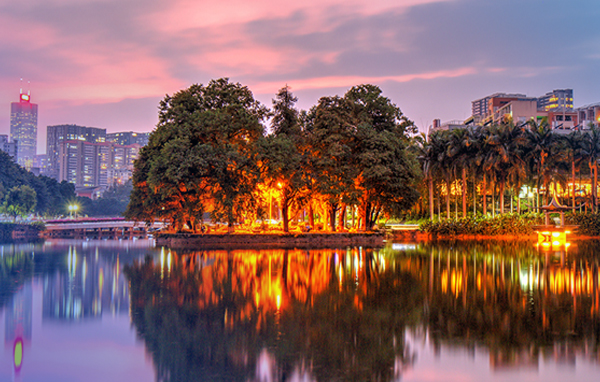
<point x="270" y="240"/>
<point x="10" y="232"/>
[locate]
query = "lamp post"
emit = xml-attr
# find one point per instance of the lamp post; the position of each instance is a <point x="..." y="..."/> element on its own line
<point x="73" y="210"/>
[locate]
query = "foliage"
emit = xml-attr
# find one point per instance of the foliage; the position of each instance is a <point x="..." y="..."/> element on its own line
<point x="209" y="154"/>
<point x="284" y="156"/>
<point x="19" y="201"/>
<point x="201" y="157"/>
<point x="51" y="196"/>
<point x="113" y="202"/>
<point x="507" y="224"/>
<point x="588" y="222"/>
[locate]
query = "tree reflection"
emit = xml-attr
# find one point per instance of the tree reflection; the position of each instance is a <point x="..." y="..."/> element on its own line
<point x="518" y="302"/>
<point x="329" y="315"/>
<point x="343" y="315"/>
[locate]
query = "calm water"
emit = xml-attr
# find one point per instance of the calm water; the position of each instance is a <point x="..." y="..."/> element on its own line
<point x="126" y="311"/>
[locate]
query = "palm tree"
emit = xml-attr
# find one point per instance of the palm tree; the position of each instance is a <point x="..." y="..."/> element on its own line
<point x="504" y="158"/>
<point x="590" y="150"/>
<point x="458" y="150"/>
<point x="540" y="141"/>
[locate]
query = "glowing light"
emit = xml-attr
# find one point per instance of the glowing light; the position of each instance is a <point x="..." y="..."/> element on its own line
<point x="18" y="354"/>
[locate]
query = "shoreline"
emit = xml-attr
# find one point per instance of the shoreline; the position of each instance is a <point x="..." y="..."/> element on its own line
<point x="270" y="240"/>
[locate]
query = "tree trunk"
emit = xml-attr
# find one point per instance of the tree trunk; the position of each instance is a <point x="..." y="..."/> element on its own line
<point x="342" y="218"/>
<point x="332" y="210"/>
<point x="484" y="191"/>
<point x="501" y="192"/>
<point x="595" y="190"/>
<point x="573" y="183"/>
<point x="431" y="198"/>
<point x="464" y="192"/>
<point x="474" y="195"/>
<point x="311" y="216"/>
<point x="284" y="214"/>
<point x="448" y="199"/>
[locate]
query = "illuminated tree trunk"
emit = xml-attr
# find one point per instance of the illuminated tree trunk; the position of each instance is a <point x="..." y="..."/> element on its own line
<point x="284" y="214"/>
<point x="342" y="218"/>
<point x="332" y="210"/>
<point x="573" y="182"/>
<point x="431" y="198"/>
<point x="484" y="192"/>
<point x="464" y="192"/>
<point x="311" y="216"/>
<point x="501" y="191"/>
<point x="448" y="199"/>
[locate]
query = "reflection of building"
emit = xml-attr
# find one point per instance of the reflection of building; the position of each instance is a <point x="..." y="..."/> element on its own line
<point x="23" y="129"/>
<point x="19" y="315"/>
<point x="90" y="286"/>
<point x="18" y="324"/>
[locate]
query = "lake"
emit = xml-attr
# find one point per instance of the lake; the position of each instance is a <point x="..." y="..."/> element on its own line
<point x="445" y="311"/>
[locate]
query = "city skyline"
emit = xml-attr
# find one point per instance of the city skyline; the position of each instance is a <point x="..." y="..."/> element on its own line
<point x="108" y="64"/>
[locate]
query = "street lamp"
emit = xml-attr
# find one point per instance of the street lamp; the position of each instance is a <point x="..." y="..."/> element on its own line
<point x="73" y="210"/>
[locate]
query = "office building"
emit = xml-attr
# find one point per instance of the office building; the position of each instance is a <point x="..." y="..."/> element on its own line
<point x="23" y="129"/>
<point x="8" y="147"/>
<point x="556" y="106"/>
<point x="589" y="115"/>
<point x="558" y="100"/>
<point x="127" y="138"/>
<point x="58" y="134"/>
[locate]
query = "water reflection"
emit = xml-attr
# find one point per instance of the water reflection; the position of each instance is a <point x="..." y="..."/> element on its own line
<point x="60" y="282"/>
<point x="361" y="314"/>
<point x="404" y="312"/>
<point x="275" y="315"/>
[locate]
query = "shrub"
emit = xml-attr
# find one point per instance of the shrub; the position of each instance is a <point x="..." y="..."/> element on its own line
<point x="508" y="224"/>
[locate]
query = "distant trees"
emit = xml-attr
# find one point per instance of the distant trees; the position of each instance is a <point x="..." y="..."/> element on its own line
<point x="51" y="197"/>
<point x="19" y="201"/>
<point x="502" y="158"/>
<point x="210" y="153"/>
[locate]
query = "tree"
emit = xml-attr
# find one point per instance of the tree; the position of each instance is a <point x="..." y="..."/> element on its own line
<point x="387" y="172"/>
<point x="201" y="157"/>
<point x="284" y="154"/>
<point x="331" y="133"/>
<point x="19" y="201"/>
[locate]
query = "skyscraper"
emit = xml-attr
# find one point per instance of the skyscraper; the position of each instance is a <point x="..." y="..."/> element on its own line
<point x="59" y="134"/>
<point x="23" y="129"/>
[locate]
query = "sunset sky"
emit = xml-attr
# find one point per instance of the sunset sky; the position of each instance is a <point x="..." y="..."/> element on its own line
<point x="107" y="63"/>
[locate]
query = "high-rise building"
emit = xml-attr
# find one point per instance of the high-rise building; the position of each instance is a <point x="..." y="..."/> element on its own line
<point x="127" y="138"/>
<point x="8" y="147"/>
<point x="23" y="129"/>
<point x="558" y="100"/>
<point x="58" y="134"/>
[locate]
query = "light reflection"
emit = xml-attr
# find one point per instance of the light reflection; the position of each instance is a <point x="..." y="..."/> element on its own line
<point x="507" y="303"/>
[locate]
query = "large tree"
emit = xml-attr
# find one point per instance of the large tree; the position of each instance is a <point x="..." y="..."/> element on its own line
<point x="331" y="132"/>
<point x="386" y="181"/>
<point x="19" y="201"/>
<point x="201" y="157"/>
<point x="284" y="154"/>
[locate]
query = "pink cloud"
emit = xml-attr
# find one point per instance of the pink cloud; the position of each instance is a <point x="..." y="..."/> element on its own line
<point x="189" y="14"/>
<point x="349" y="81"/>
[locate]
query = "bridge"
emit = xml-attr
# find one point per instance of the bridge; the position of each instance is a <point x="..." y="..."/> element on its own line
<point x="102" y="228"/>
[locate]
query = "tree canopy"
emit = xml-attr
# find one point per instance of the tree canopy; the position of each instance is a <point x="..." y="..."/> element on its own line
<point x="51" y="197"/>
<point x="210" y="154"/>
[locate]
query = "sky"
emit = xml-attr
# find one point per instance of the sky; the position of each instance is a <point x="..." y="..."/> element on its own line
<point x="108" y="63"/>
